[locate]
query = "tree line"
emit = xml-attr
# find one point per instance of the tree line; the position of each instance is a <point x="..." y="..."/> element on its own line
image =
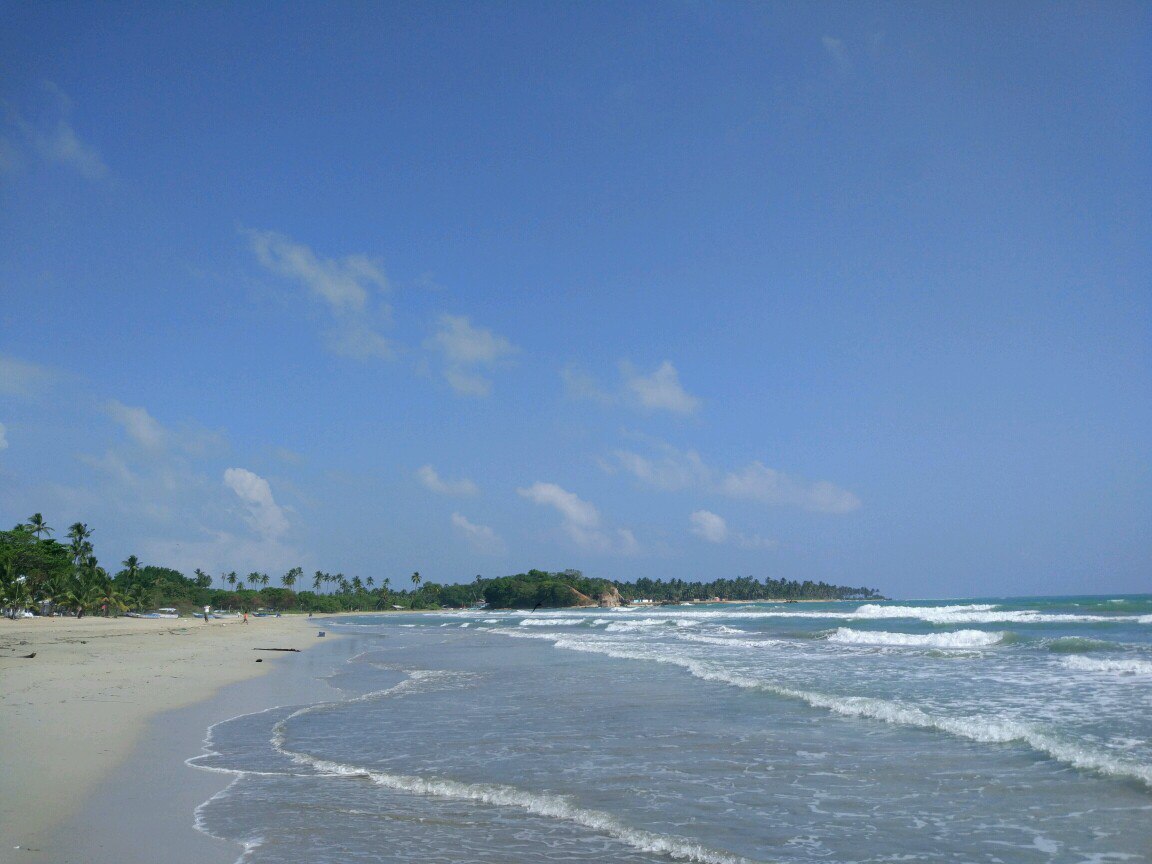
<point x="46" y="576"/>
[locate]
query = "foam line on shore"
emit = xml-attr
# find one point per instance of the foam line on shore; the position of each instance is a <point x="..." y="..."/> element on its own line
<point x="983" y="729"/>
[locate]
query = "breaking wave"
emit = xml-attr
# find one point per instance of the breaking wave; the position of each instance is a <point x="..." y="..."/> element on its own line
<point x="955" y="639"/>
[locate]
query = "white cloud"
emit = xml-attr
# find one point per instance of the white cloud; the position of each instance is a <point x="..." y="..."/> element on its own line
<point x="660" y="391"/>
<point x="714" y="528"/>
<point x="481" y="538"/>
<point x="3" y="437"/>
<point x="264" y="514"/>
<point x="52" y="138"/>
<point x="581" y="520"/>
<point x="672" y="470"/>
<point x="141" y="426"/>
<point x="708" y="525"/>
<point x="440" y="486"/>
<point x="345" y="286"/>
<point x="760" y="483"/>
<point x="466" y="351"/>
<point x="146" y="431"/>
<point x="574" y="510"/>
<point x="20" y="378"/>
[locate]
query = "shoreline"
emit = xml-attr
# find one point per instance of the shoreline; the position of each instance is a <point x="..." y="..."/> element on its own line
<point x="98" y="725"/>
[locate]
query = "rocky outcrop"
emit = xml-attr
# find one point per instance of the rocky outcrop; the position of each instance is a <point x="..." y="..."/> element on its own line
<point x="610" y="598"/>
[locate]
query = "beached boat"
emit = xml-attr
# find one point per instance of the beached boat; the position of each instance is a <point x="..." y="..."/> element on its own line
<point x="162" y="612"/>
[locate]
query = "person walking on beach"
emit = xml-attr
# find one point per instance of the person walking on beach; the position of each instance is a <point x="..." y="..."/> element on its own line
<point x="245" y="617"/>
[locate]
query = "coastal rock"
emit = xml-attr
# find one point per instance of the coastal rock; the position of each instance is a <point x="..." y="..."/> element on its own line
<point x="610" y="598"/>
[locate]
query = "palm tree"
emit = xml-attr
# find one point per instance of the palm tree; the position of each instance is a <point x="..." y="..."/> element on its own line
<point x="289" y="578"/>
<point x="131" y="567"/>
<point x="38" y="526"/>
<point x="416" y="579"/>
<point x="203" y="580"/>
<point x="318" y="580"/>
<point x="231" y="578"/>
<point x="79" y="533"/>
<point x="370" y="582"/>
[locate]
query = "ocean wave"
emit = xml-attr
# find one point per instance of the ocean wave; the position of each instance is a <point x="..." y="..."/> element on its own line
<point x="552" y="622"/>
<point x="642" y="624"/>
<point x="1125" y="666"/>
<point x="544" y="804"/>
<point x="1079" y="645"/>
<point x="984" y="729"/>
<point x="955" y="639"/>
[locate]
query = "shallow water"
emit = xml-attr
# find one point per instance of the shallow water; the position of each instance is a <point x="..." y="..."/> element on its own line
<point x="997" y="730"/>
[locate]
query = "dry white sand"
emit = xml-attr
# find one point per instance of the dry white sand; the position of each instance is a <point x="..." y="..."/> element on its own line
<point x="71" y="714"/>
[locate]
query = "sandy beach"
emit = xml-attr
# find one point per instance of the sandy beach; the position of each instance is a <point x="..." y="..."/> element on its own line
<point x="88" y="699"/>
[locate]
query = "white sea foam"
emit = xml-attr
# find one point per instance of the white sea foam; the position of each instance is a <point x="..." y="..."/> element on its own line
<point x="639" y="624"/>
<point x="1125" y="666"/>
<point x="552" y="622"/>
<point x="981" y="728"/>
<point x="537" y="803"/>
<point x="954" y="639"/>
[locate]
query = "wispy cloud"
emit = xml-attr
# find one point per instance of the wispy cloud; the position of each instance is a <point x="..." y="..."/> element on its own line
<point x="580" y="520"/>
<point x="760" y="483"/>
<point x="51" y="137"/>
<point x="468" y="354"/>
<point x="837" y="52"/>
<point x="141" y="426"/>
<point x="659" y="390"/>
<point x="435" y="483"/>
<point x="481" y="538"/>
<point x="147" y="432"/>
<point x="714" y="528"/>
<point x="708" y="525"/>
<point x="265" y="516"/>
<point x="671" y="469"/>
<point x="347" y="287"/>
<point x="21" y="378"/>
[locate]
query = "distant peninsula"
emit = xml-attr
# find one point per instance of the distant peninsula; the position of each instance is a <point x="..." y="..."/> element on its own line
<point x="568" y="588"/>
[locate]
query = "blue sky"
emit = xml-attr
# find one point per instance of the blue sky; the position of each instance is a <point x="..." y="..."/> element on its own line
<point x="855" y="292"/>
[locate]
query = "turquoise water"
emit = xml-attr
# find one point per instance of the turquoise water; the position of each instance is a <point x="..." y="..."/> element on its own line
<point x="997" y="730"/>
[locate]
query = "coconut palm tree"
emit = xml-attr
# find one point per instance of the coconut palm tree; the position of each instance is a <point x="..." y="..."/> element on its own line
<point x="131" y="566"/>
<point x="231" y="578"/>
<point x="416" y="579"/>
<point x="38" y="526"/>
<point x="318" y="580"/>
<point x="78" y="533"/>
<point x="289" y="578"/>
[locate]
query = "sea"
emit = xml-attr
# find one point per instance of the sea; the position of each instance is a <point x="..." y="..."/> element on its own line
<point x="989" y="730"/>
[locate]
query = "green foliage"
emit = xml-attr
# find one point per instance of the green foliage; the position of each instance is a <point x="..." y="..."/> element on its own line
<point x="37" y="572"/>
<point x="742" y="588"/>
<point x="539" y="588"/>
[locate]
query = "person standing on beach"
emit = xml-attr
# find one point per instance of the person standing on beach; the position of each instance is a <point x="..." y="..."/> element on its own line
<point x="245" y="617"/>
<point x="206" y="610"/>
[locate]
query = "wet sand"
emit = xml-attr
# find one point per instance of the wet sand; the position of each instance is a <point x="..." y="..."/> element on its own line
<point x="97" y="725"/>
